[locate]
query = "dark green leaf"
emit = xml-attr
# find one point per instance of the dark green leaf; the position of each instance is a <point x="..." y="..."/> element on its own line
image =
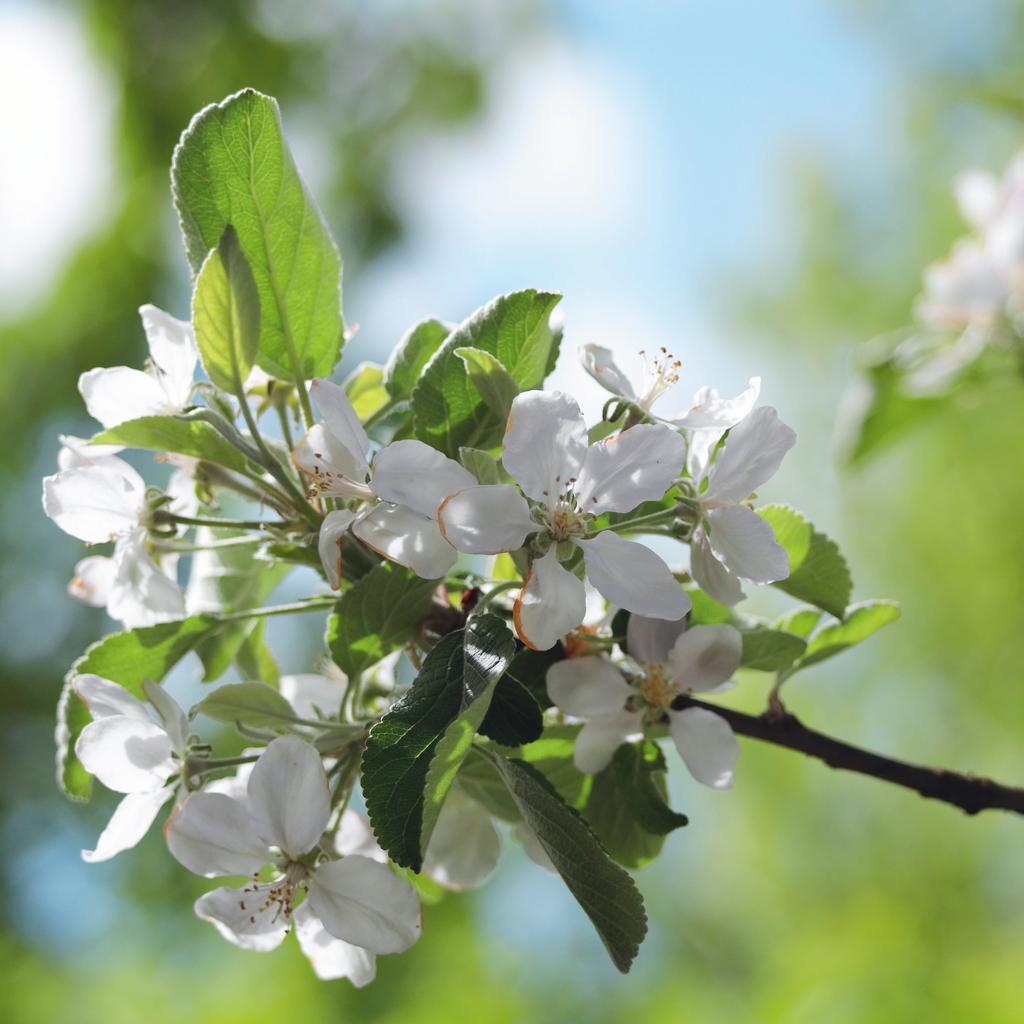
<point x="602" y="888"/>
<point x="531" y="669"/>
<point x="405" y="367"/>
<point x="232" y="166"/>
<point x="177" y="434"/>
<point x="514" y="717"/>
<point x="552" y="755"/>
<point x="481" y="781"/>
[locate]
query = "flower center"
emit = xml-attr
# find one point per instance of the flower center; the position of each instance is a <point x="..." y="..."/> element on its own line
<point x="659" y="376"/>
<point x="562" y="517"/>
<point x="656" y="688"/>
<point x="278" y="898"/>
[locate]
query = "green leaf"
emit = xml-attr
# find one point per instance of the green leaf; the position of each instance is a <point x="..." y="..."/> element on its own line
<point x="226" y="314"/>
<point x="482" y="465"/>
<point x="376" y="615"/>
<point x="252" y="704"/>
<point x="602" y="888"/>
<point x="480" y="780"/>
<point x="552" y="755"/>
<point x="365" y="389"/>
<point x="149" y="652"/>
<point x="178" y="434"/>
<point x="628" y="805"/>
<point x="801" y="622"/>
<point x="818" y="573"/>
<point x="514" y="717"/>
<point x="770" y="650"/>
<point x="414" y="752"/>
<point x="411" y="355"/>
<point x="232" y="166"/>
<point x="531" y="669"/>
<point x="254" y="658"/>
<point x="862" y="620"/>
<point x="496" y="385"/>
<point x="448" y="409"/>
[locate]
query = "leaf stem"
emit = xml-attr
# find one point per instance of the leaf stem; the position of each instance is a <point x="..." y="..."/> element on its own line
<point x="309" y="605"/>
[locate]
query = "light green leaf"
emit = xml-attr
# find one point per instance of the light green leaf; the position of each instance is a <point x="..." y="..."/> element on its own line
<point x="801" y="622"/>
<point x="232" y="166"/>
<point x="602" y="888"/>
<point x="365" y="389"/>
<point x="482" y="465"/>
<point x="414" y="752"/>
<point x="818" y="573"/>
<point x="376" y="615"/>
<point x="179" y="434"/>
<point x="252" y="704"/>
<point x="411" y="355"/>
<point x="862" y="620"/>
<point x="770" y="650"/>
<point x="448" y="409"/>
<point x="495" y="384"/>
<point x="254" y="658"/>
<point x="226" y="314"/>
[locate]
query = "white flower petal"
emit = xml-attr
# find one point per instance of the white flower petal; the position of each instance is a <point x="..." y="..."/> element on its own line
<point x="309" y="693"/>
<point x="649" y="640"/>
<point x="105" y="699"/>
<point x="752" y="454"/>
<point x="413" y="474"/>
<point x="336" y="471"/>
<point x="704" y="657"/>
<point x="213" y="834"/>
<point x="979" y="197"/>
<point x="329" y="957"/>
<point x="545" y="443"/>
<point x="486" y="519"/>
<point x="244" y="918"/>
<point x="711" y="575"/>
<point x="95" y="503"/>
<point x="128" y="824"/>
<point x="332" y="533"/>
<point x="341" y="420"/>
<point x="600" y="363"/>
<point x="700" y="446"/>
<point x="710" y="411"/>
<point x="355" y="836"/>
<point x="141" y="593"/>
<point x="965" y="289"/>
<point x="126" y="754"/>
<point x="77" y="451"/>
<point x="633" y="577"/>
<point x="365" y="903"/>
<point x="116" y="394"/>
<point x="173" y="348"/>
<point x="181" y="489"/>
<point x="173" y="718"/>
<point x="706" y="744"/>
<point x="464" y="847"/>
<point x="92" y="581"/>
<point x="746" y="544"/>
<point x="406" y="537"/>
<point x="551" y="603"/>
<point x="288" y="795"/>
<point x="588" y="686"/>
<point x="627" y="468"/>
<point x="602" y="736"/>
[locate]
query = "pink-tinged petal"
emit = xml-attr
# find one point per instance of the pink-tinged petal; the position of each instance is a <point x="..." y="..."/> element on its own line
<point x="633" y="577"/>
<point x="245" y="917"/>
<point x="711" y="575"/>
<point x="212" y="834"/>
<point x="706" y="744"/>
<point x="329" y="957"/>
<point x="173" y="348"/>
<point x="413" y="474"/>
<point x="649" y="640"/>
<point x="95" y="503"/>
<point x="406" y="537"/>
<point x="600" y="363"/>
<point x="126" y="754"/>
<point x="587" y="687"/>
<point x="128" y="824"/>
<point x="545" y="443"/>
<point x="711" y="412"/>
<point x="289" y="798"/>
<point x="341" y="420"/>
<point x="365" y="903"/>
<point x="334" y="470"/>
<point x="752" y="454"/>
<point x="313" y="695"/>
<point x="105" y="699"/>
<point x="625" y="469"/>
<point x="332" y="533"/>
<point x="116" y="394"/>
<point x="746" y="544"/>
<point x="486" y="519"/>
<point x="704" y="657"/>
<point x="552" y="603"/>
<point x="464" y="847"/>
<point x="601" y="737"/>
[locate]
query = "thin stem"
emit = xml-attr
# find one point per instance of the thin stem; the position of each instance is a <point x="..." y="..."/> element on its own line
<point x="286" y="427"/>
<point x="227" y="524"/>
<point x="310" y="605"/>
<point x="652" y="519"/>
<point x="228" y="542"/>
<point x="201" y="765"/>
<point x="491" y="594"/>
<point x="971" y="793"/>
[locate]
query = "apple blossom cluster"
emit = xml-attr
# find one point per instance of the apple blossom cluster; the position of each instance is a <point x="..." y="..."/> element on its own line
<point x="520" y="609"/>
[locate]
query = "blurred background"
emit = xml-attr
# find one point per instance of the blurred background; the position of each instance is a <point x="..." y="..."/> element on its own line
<point x="755" y="186"/>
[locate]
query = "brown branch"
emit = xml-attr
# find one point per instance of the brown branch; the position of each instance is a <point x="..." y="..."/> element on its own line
<point x="970" y="793"/>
